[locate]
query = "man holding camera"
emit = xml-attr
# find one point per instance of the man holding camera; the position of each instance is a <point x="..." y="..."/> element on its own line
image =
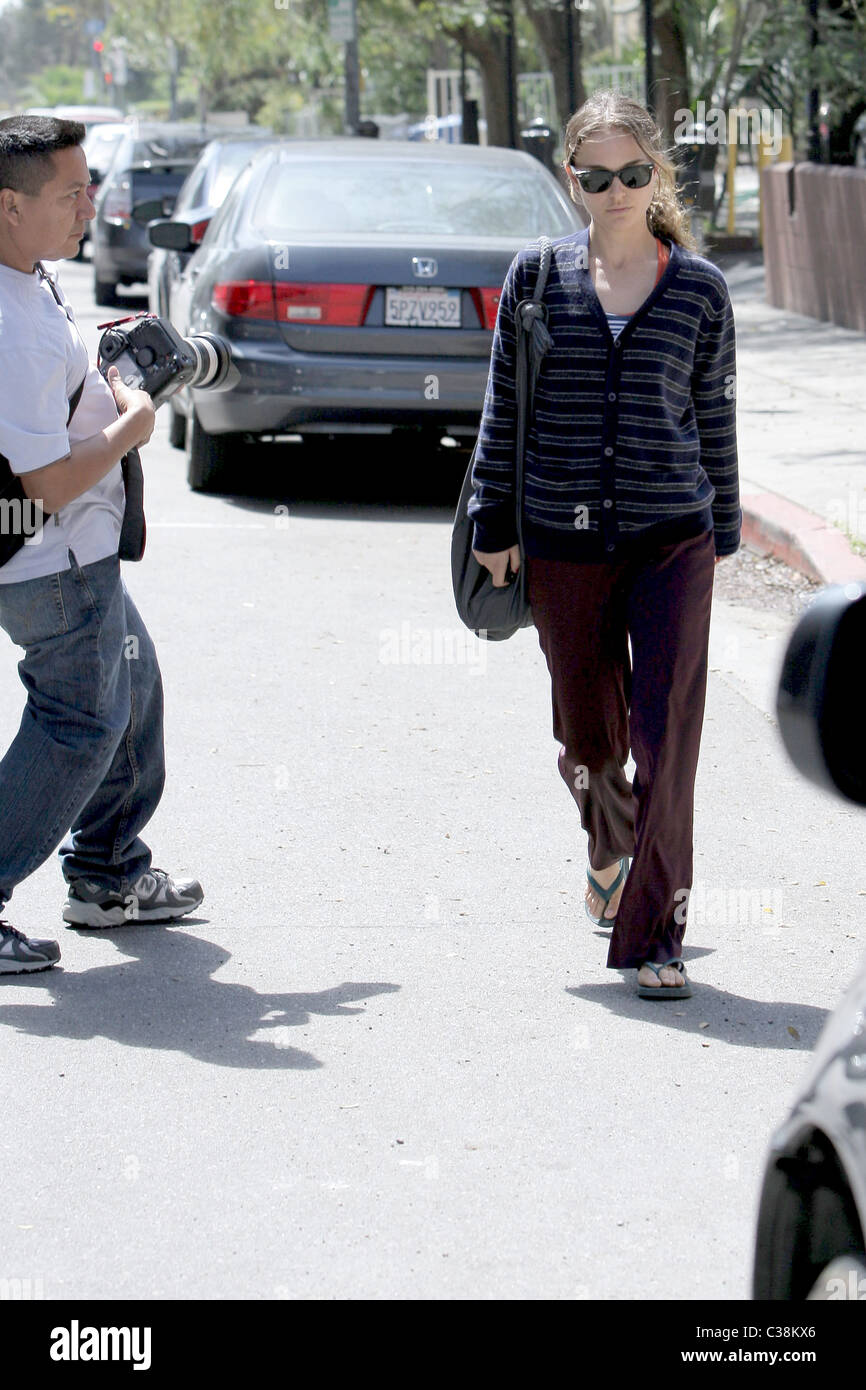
<point x="88" y="756"/>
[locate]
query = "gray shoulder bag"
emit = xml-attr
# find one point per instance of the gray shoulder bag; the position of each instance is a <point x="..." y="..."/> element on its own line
<point x="497" y="613"/>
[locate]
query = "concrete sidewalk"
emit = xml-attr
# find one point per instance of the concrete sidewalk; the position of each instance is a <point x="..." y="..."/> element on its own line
<point x="801" y="394"/>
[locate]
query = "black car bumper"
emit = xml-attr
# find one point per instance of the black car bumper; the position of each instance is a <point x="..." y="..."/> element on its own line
<point x="120" y="253"/>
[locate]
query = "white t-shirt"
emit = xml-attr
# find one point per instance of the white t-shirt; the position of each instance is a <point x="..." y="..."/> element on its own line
<point x="43" y="358"/>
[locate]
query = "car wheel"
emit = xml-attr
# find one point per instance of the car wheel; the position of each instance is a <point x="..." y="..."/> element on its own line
<point x="209" y="457"/>
<point x="176" y="428"/>
<point x="104" y="291"/>
<point x="807" y="1220"/>
<point x="843" y="1278"/>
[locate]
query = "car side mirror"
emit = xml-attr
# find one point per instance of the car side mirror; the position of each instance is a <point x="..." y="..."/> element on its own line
<point x="153" y="207"/>
<point x="819" y="701"/>
<point x="172" y="236"/>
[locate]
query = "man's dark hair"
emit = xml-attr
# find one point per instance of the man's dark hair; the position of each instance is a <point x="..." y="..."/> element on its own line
<point x="26" y="146"/>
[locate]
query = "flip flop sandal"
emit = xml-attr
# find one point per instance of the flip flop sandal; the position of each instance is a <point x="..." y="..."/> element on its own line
<point x="683" y="991"/>
<point x="605" y="893"/>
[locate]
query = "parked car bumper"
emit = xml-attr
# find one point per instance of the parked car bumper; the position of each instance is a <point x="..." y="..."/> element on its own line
<point x="282" y="392"/>
<point x="116" y="258"/>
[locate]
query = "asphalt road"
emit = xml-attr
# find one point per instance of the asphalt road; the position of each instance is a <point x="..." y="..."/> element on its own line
<point x="385" y="1058"/>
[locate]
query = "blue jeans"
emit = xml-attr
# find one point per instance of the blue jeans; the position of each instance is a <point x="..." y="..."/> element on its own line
<point x="89" y="751"/>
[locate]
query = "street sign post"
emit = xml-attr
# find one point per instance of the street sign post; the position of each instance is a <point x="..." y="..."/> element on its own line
<point x="342" y="22"/>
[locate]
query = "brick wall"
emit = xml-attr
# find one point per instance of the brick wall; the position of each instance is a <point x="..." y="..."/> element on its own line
<point x="815" y="241"/>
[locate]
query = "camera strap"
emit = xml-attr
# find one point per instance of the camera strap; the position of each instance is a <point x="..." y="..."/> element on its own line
<point x="11" y="489"/>
<point x="133" y="533"/>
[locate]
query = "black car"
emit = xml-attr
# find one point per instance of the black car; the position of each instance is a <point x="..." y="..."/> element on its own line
<point x="357" y="283"/>
<point x="811" y="1236"/>
<point x="151" y="162"/>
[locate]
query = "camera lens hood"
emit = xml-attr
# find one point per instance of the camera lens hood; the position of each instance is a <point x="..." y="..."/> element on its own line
<point x="819" y="701"/>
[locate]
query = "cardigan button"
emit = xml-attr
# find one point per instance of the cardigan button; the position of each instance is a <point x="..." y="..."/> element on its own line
<point x="607" y="502"/>
<point x="608" y="451"/>
<point x="609" y="548"/>
<point x="611" y="395"/>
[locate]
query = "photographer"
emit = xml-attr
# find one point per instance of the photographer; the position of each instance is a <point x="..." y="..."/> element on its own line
<point x="88" y="756"/>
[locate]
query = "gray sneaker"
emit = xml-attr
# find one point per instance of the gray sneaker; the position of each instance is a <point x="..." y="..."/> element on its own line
<point x="154" y="897"/>
<point x="20" y="953"/>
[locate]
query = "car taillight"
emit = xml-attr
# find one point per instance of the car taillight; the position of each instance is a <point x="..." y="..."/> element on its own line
<point x="336" y="305"/>
<point x="117" y="207"/>
<point x="486" y="305"/>
<point x="342" y="306"/>
<point x="245" y="299"/>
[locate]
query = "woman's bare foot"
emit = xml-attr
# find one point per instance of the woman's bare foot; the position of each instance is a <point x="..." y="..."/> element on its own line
<point x="666" y="976"/>
<point x="604" y="877"/>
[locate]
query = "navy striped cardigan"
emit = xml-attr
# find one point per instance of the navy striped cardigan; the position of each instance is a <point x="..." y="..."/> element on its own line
<point x="633" y="439"/>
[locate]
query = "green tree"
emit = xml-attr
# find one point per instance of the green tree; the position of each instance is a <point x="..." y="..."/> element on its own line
<point x="58" y="85"/>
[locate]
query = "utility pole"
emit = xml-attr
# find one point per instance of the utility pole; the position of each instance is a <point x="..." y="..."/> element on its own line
<point x="569" y="50"/>
<point x="648" y="59"/>
<point x="173" y="70"/>
<point x="343" y="28"/>
<point x="511" y="73"/>
<point x="813" y="99"/>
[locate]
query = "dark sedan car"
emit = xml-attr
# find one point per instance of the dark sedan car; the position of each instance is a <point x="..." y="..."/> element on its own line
<point x="357" y="283"/>
<point x="150" y="162"/>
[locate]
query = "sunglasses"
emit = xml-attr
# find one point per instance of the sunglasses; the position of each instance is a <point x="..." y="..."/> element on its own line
<point x="600" y="180"/>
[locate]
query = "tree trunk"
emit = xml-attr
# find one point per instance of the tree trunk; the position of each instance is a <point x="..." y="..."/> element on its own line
<point x="488" y="48"/>
<point x="672" y="79"/>
<point x="550" y="29"/>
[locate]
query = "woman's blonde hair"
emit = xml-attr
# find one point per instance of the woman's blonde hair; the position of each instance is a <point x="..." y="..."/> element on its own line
<point x="614" y="111"/>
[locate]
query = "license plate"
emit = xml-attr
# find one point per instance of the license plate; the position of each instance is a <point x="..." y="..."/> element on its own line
<point x="429" y="307"/>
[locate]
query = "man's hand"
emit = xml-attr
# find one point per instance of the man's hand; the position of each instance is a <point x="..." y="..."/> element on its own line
<point x="137" y="404"/>
<point x="90" y="459"/>
<point x="497" y="563"/>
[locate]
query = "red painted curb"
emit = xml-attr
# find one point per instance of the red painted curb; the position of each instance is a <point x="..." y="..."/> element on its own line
<point x="805" y="541"/>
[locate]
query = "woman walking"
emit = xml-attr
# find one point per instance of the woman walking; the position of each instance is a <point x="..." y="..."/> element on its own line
<point x="631" y="496"/>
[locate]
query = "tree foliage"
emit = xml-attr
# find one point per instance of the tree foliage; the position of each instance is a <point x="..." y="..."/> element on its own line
<point x="275" y="58"/>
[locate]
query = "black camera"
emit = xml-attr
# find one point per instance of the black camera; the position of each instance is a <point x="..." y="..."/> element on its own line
<point x="820" y="696"/>
<point x="151" y="356"/>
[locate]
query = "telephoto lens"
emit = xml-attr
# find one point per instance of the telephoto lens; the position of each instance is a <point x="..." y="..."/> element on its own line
<point x="212" y="360"/>
<point x="150" y="354"/>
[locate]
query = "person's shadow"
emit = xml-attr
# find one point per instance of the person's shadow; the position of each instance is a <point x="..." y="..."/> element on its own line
<point x="163" y="996"/>
<point x="731" y="1018"/>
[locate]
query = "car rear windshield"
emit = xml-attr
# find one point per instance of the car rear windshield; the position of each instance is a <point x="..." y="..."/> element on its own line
<point x="158" y="148"/>
<point x="226" y="168"/>
<point x="99" y="145"/>
<point x="410" y="196"/>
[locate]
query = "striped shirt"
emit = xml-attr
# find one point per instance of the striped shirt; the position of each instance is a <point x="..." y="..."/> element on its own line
<point x="633" y="436"/>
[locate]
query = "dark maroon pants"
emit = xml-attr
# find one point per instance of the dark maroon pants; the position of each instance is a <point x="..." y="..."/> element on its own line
<point x="605" y="703"/>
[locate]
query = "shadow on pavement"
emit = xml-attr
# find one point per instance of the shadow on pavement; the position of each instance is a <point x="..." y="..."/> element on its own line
<point x="164" y="998"/>
<point x="351" y="478"/>
<point x="732" y="1018"/>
